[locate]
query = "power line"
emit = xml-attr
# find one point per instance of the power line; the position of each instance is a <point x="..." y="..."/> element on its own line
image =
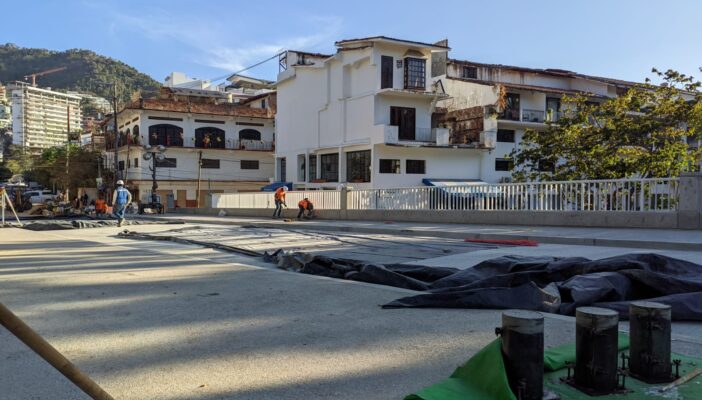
<point x="219" y="78"/>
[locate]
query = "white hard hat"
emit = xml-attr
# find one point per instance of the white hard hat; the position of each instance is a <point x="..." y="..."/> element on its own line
<point x="120" y="182"/>
<point x="285" y="188"/>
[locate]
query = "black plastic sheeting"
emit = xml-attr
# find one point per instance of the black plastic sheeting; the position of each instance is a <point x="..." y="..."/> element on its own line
<point x="58" y="224"/>
<point x="549" y="284"/>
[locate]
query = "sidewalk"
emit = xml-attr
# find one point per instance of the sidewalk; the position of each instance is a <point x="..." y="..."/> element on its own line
<point x="671" y="239"/>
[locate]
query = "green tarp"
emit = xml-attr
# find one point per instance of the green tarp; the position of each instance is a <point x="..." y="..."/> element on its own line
<point x="483" y="377"/>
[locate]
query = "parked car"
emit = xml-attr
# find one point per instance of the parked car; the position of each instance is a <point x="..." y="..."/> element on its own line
<point x="39" y="196"/>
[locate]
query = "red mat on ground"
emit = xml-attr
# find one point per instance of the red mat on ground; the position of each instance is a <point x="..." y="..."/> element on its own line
<point x="511" y="242"/>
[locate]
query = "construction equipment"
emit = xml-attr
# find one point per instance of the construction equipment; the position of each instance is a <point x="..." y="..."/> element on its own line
<point x="4" y="202"/>
<point x="47" y="72"/>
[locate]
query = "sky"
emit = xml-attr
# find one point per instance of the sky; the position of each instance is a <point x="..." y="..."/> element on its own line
<point x="211" y="38"/>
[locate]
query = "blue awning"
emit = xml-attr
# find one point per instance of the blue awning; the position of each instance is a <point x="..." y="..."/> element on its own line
<point x="272" y="187"/>
<point x="451" y="182"/>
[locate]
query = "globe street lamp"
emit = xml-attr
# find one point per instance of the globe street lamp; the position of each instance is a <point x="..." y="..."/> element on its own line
<point x="154" y="154"/>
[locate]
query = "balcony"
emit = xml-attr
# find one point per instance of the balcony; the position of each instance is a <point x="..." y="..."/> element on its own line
<point x="533" y="115"/>
<point x="253" y="145"/>
<point x="422" y="136"/>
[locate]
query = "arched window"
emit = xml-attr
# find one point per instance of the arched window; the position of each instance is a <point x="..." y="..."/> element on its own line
<point x="166" y="134"/>
<point x="121" y="139"/>
<point x="209" y="138"/>
<point x="135" y="135"/>
<point x="127" y="137"/>
<point x="249" y="134"/>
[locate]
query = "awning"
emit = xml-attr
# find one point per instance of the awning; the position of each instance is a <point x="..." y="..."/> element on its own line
<point x="275" y="185"/>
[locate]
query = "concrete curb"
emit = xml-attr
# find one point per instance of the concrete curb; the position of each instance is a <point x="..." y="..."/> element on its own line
<point x="578" y="241"/>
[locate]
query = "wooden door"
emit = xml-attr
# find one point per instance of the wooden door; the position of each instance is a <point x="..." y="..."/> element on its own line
<point x="181" y="198"/>
<point x="405" y="119"/>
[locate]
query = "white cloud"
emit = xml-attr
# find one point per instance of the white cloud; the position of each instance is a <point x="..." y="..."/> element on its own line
<point x="213" y="44"/>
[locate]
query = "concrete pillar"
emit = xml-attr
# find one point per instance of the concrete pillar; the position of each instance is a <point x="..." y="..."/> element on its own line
<point x="690" y="201"/>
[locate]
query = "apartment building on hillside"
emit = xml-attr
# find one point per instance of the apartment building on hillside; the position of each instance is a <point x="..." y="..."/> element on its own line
<point x="42" y="118"/>
<point x="366" y="116"/>
<point x="228" y="146"/>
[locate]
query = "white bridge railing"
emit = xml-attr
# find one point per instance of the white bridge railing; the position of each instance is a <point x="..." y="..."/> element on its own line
<point x="657" y="194"/>
<point x="322" y="199"/>
<point x="592" y="195"/>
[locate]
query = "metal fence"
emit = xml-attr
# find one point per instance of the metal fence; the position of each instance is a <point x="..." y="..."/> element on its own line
<point x="591" y="195"/>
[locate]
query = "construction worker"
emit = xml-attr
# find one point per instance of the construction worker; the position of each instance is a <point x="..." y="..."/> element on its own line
<point x="120" y="199"/>
<point x="100" y="206"/>
<point x="279" y="198"/>
<point x="305" y="205"/>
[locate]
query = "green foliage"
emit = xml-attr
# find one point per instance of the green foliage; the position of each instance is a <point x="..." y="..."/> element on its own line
<point x="84" y="70"/>
<point x="80" y="171"/>
<point x="640" y="133"/>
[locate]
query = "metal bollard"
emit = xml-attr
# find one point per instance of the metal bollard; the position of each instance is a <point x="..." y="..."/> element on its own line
<point x="649" y="351"/>
<point x="523" y="351"/>
<point x="596" y="350"/>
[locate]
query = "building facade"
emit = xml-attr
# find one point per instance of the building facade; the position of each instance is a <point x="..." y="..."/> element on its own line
<point x="211" y="143"/>
<point x="367" y="117"/>
<point x="43" y="118"/>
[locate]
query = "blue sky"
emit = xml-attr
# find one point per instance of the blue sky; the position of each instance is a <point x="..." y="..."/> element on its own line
<point x="207" y="39"/>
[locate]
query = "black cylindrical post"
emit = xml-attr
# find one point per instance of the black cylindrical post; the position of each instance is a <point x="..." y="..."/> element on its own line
<point x="596" y="350"/>
<point x="649" y="351"/>
<point x="523" y="352"/>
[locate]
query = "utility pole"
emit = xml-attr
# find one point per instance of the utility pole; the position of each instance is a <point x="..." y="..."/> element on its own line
<point x="68" y="145"/>
<point x="114" y="125"/>
<point x="199" y="174"/>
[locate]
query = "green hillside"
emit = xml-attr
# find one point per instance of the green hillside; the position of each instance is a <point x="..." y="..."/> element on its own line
<point x="84" y="69"/>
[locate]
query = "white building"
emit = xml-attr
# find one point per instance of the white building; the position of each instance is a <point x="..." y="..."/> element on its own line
<point x="366" y="116"/>
<point x="233" y="143"/>
<point x="181" y="80"/>
<point x="42" y="118"/>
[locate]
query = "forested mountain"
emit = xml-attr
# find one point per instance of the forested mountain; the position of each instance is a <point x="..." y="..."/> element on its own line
<point x="84" y="69"/>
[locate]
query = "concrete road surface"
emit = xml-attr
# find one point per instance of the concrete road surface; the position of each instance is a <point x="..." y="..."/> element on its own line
<point x="153" y="320"/>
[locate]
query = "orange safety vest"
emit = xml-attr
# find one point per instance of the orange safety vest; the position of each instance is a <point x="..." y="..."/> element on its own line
<point x="100" y="205"/>
<point x="280" y="194"/>
<point x="303" y="203"/>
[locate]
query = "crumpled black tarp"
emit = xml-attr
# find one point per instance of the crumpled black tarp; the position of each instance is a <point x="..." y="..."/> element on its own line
<point x="62" y="224"/>
<point x="550" y="284"/>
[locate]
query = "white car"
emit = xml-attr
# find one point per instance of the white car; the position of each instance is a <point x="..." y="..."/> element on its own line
<point x="39" y="196"/>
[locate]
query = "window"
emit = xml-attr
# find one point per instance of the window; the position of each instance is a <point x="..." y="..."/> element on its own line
<point x="405" y="119"/>
<point x="283" y="168"/>
<point x="358" y="166"/>
<point x="120" y="165"/>
<point x="313" y="167"/>
<point x="470" y="72"/>
<point x="503" y="164"/>
<point x="209" y="138"/>
<point x="553" y="108"/>
<point x="389" y="166"/>
<point x="253" y="164"/>
<point x="301" y="166"/>
<point x="385" y="72"/>
<point x="136" y="162"/>
<point x="330" y="167"/>
<point x="511" y="109"/>
<point x="415" y="166"/>
<point x="505" y="135"/>
<point x="135" y="135"/>
<point x="415" y="73"/>
<point x="166" y="135"/>
<point x="209" y="163"/>
<point x="249" y="134"/>
<point x="263" y="103"/>
<point x="166" y="163"/>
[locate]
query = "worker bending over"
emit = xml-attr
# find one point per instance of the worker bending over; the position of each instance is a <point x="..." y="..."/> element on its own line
<point x="100" y="206"/>
<point x="305" y="205"/>
<point x="279" y="198"/>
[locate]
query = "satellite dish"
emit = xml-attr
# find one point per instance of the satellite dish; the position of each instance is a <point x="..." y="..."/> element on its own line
<point x="147" y="156"/>
<point x="160" y="156"/>
<point x="161" y="148"/>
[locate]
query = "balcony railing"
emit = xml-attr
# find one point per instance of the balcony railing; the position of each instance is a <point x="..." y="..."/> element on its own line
<point x="511" y="114"/>
<point x="425" y="135"/>
<point x="253" y="145"/>
<point x="533" y="115"/>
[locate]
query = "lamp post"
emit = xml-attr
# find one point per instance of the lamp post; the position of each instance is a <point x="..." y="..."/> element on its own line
<point x="154" y="154"/>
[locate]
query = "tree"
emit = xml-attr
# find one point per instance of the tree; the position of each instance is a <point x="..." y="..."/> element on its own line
<point x="80" y="171"/>
<point x="644" y="132"/>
